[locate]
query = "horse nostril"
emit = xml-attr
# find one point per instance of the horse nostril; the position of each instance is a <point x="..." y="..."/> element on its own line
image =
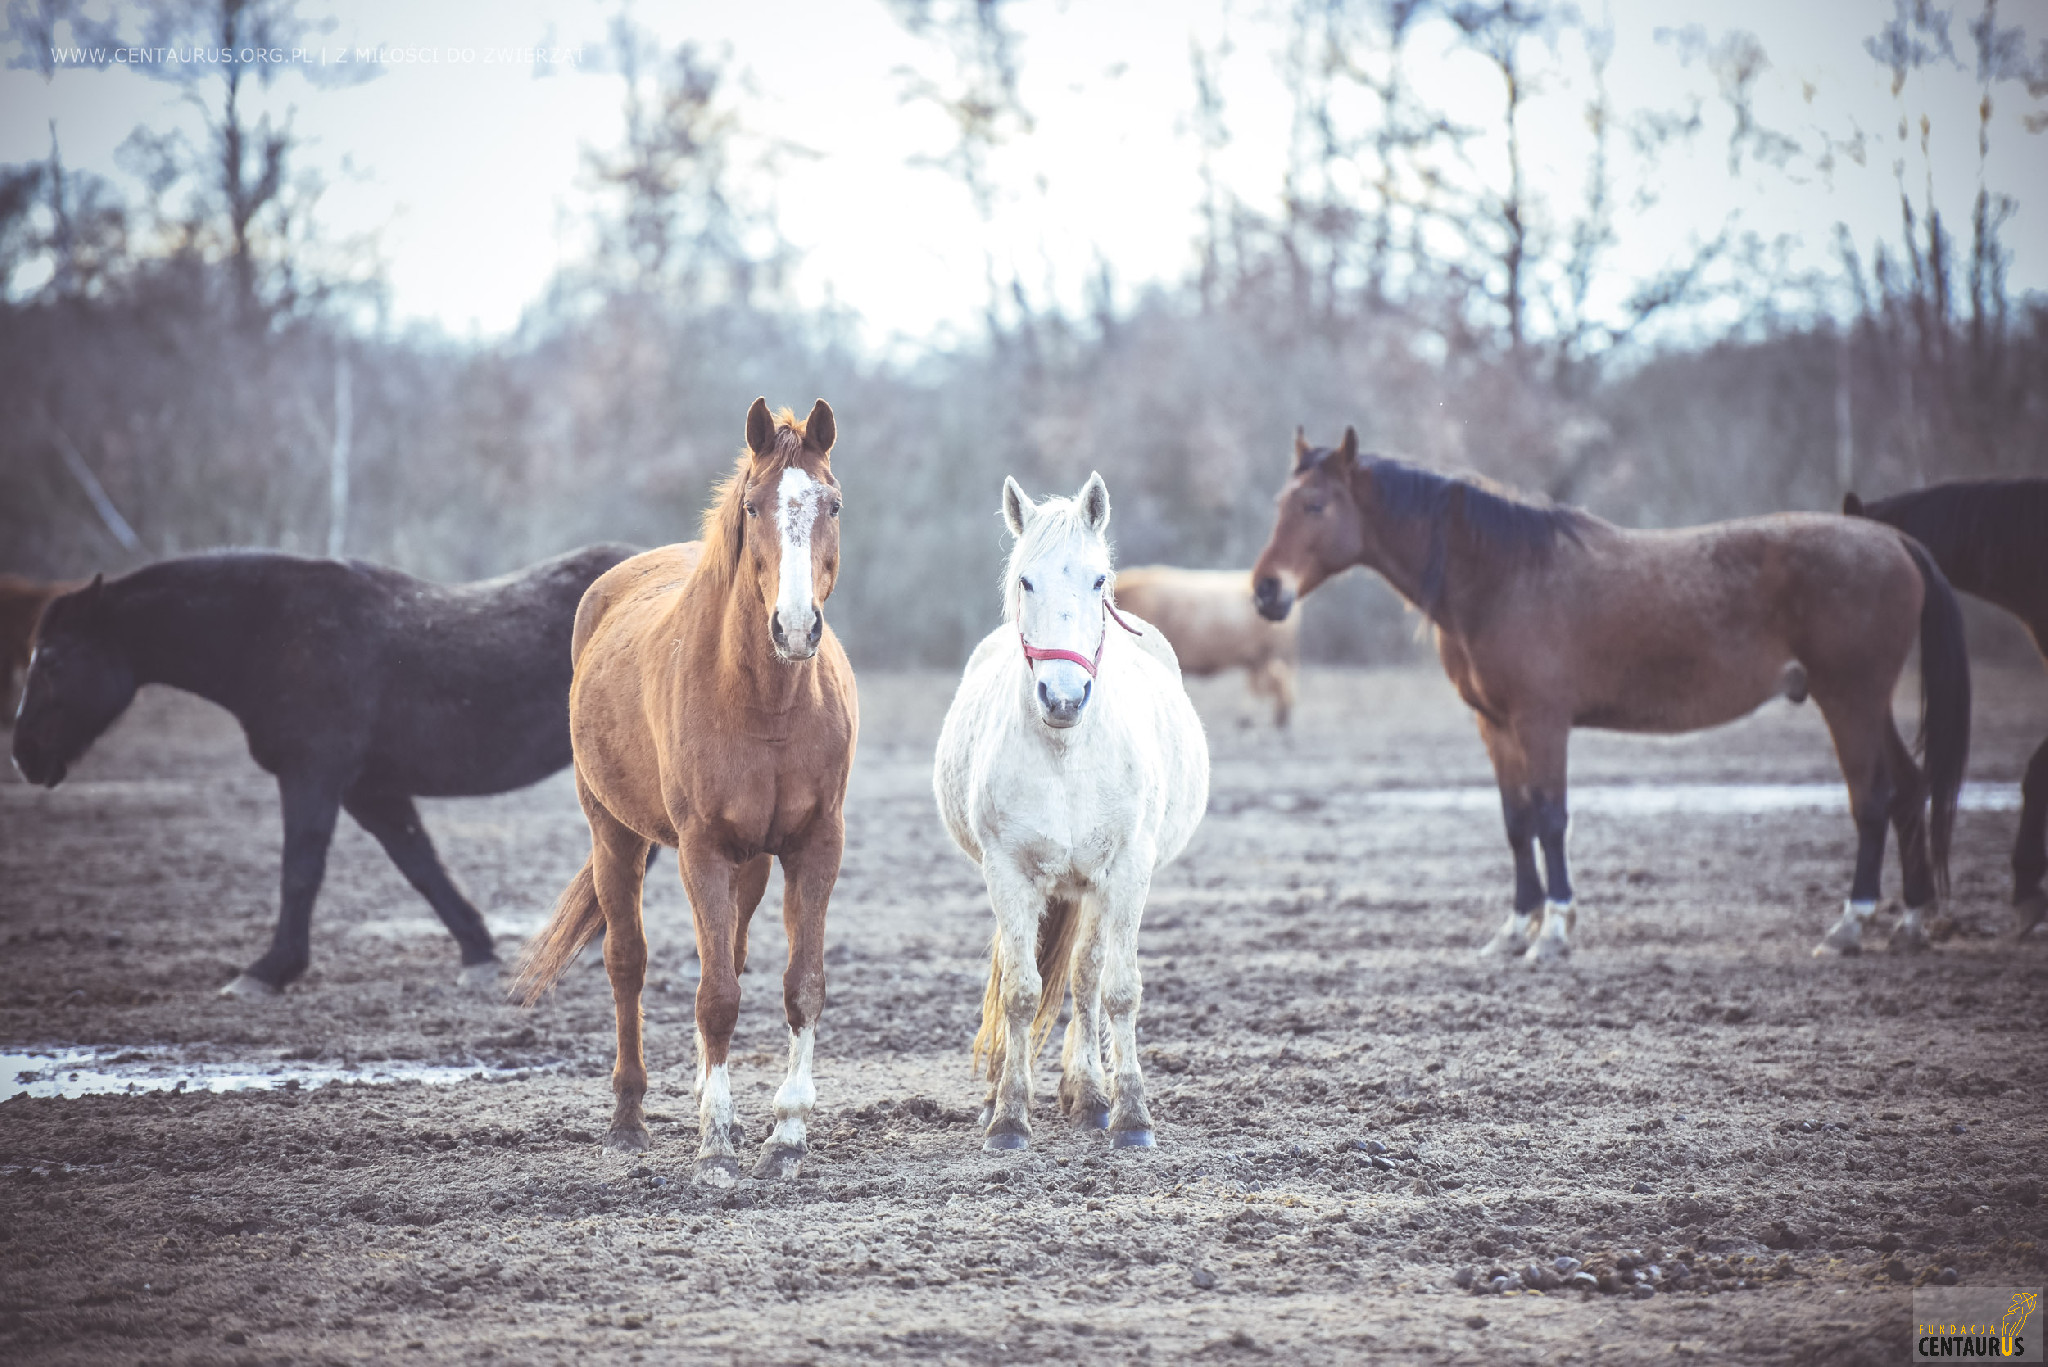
<point x="1266" y="589"/>
<point x="1086" y="689"/>
<point x="817" y="627"/>
<point x="1044" y="697"/>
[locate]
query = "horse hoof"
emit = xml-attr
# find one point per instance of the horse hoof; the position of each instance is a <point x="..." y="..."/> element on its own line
<point x="1548" y="952"/>
<point x="628" y="1139"/>
<point x="780" y="1162"/>
<point x="717" y="1171"/>
<point x="481" y="977"/>
<point x="1908" y="940"/>
<point x="1092" y="1118"/>
<point x="250" y="989"/>
<point x="1828" y="949"/>
<point x="1004" y="1140"/>
<point x="1132" y="1139"/>
<point x="2029" y="912"/>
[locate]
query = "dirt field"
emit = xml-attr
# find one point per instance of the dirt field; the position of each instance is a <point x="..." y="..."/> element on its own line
<point x="1352" y="1109"/>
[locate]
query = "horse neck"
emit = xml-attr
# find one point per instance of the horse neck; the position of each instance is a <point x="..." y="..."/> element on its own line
<point x="750" y="671"/>
<point x="1398" y="550"/>
<point x="173" y="637"/>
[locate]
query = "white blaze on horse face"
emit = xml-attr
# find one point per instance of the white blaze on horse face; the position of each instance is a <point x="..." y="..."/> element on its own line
<point x="797" y="501"/>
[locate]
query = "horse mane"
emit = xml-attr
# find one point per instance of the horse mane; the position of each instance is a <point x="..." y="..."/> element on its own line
<point x="1057" y="519"/>
<point x="1482" y="517"/>
<point x="724" y="528"/>
<point x="1961" y="523"/>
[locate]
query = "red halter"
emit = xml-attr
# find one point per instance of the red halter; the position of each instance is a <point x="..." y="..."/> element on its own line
<point x="1036" y="653"/>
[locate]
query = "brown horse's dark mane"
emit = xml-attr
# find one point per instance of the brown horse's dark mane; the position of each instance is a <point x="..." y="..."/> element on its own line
<point x="1483" y="517"/>
<point x="724" y="529"/>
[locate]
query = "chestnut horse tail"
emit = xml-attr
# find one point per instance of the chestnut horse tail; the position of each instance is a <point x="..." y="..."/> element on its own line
<point x="1944" y="704"/>
<point x="577" y="920"/>
<point x="1056" y="931"/>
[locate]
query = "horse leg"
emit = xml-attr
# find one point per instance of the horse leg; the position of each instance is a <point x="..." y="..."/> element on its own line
<point x="749" y="882"/>
<point x="618" y="864"/>
<point x="1123" y="905"/>
<point x="1519" y="815"/>
<point x="709" y="882"/>
<point x="310" y="802"/>
<point x="1283" y="691"/>
<point x="1545" y="747"/>
<point x="1018" y="907"/>
<point x="2030" y="847"/>
<point x="393" y="819"/>
<point x="1909" y="821"/>
<point x="1084" y="1096"/>
<point x="808" y="875"/>
<point x="1858" y="729"/>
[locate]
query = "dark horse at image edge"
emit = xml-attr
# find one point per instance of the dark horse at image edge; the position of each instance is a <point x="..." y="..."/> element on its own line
<point x="359" y="687"/>
<point x="1990" y="538"/>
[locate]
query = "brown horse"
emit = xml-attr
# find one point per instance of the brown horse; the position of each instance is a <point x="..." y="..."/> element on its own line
<point x="1209" y="618"/>
<point x="1990" y="538"/>
<point x="21" y="607"/>
<point x="713" y="712"/>
<point x="1548" y="618"/>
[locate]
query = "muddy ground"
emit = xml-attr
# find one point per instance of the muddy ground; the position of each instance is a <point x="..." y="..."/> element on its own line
<point x="1806" y="1139"/>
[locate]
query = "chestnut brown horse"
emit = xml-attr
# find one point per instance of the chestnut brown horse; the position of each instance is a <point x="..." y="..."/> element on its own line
<point x="1990" y="538"/>
<point x="714" y="712"/>
<point x="1548" y="618"/>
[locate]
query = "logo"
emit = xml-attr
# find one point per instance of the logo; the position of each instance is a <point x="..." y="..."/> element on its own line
<point x="1976" y="1324"/>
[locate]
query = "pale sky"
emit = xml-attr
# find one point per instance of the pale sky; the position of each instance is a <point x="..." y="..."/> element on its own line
<point x="466" y="167"/>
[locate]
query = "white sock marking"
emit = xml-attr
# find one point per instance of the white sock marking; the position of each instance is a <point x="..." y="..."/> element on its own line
<point x="798" y="1094"/>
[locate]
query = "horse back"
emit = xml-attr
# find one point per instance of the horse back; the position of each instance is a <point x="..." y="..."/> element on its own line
<point x="1208" y="615"/>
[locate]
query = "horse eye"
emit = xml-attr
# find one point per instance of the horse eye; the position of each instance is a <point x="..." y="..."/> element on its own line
<point x="1100" y="580"/>
<point x="1313" y="508"/>
<point x="1026" y="583"/>
<point x="835" y="507"/>
<point x="752" y="511"/>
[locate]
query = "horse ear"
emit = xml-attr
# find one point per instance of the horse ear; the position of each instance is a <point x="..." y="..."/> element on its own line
<point x="1347" y="454"/>
<point x="1094" y="501"/>
<point x="1852" y="506"/>
<point x="819" y="430"/>
<point x="1018" y="509"/>
<point x="760" y="428"/>
<point x="1301" y="447"/>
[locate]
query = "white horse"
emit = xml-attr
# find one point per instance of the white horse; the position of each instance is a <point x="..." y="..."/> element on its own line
<point x="1071" y="768"/>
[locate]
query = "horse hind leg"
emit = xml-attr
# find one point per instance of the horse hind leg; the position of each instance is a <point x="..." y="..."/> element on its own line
<point x="1909" y="822"/>
<point x="1860" y="750"/>
<point x="2030" y="846"/>
<point x="1084" y="1093"/>
<point x="395" y="822"/>
<point x="618" y="864"/>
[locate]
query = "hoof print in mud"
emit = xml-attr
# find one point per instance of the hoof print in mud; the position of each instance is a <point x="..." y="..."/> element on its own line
<point x="251" y="989"/>
<point x="780" y="1163"/>
<point x="1132" y="1139"/>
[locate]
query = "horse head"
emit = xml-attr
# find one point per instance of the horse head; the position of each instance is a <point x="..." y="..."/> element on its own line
<point x="79" y="680"/>
<point x="1316" y="530"/>
<point x="791" y="533"/>
<point x="1056" y="593"/>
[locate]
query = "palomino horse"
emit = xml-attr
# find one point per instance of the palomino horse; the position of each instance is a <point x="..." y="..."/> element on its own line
<point x="1071" y="767"/>
<point x="1991" y="539"/>
<point x="1210" y="620"/>
<point x="714" y="712"/>
<point x="21" y="604"/>
<point x="1548" y="618"/>
<point x="359" y="687"/>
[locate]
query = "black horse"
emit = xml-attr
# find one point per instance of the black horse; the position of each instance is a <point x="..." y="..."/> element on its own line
<point x="1990" y="538"/>
<point x="357" y="686"/>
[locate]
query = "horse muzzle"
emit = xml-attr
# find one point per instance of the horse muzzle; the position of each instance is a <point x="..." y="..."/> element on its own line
<point x="1060" y="709"/>
<point x="37" y="769"/>
<point x="796" y="647"/>
<point x="1272" y="598"/>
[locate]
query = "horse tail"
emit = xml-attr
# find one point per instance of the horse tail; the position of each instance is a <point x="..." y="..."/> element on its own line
<point x="1056" y="931"/>
<point x="1944" y="703"/>
<point x="577" y="920"/>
